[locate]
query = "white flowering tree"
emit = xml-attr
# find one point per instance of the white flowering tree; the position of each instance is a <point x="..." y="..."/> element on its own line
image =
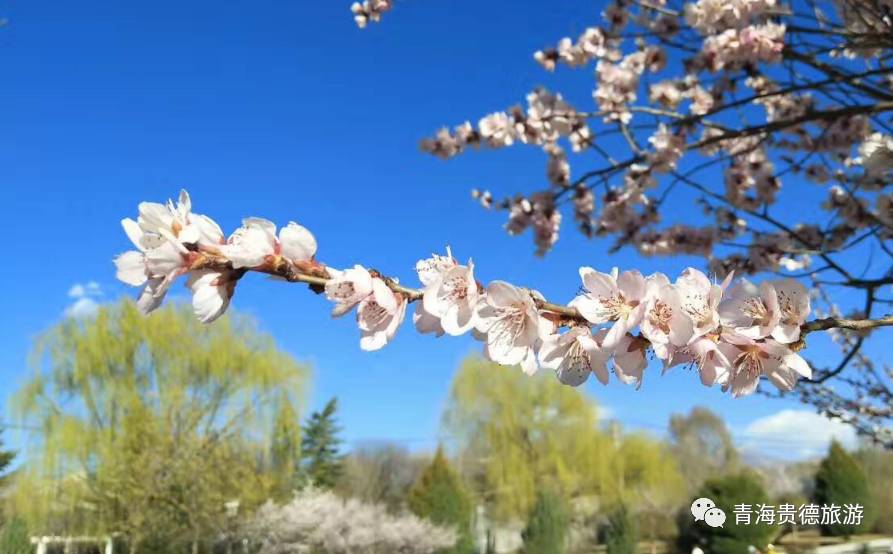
<point x="758" y="93"/>
<point x="317" y="521"/>
<point x="740" y="107"/>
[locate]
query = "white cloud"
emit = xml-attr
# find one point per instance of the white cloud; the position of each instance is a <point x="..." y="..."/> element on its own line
<point x="794" y="434"/>
<point x="77" y="290"/>
<point x="85" y="303"/>
<point x="82" y="307"/>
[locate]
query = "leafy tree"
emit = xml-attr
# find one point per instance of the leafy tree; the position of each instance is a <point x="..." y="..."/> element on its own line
<point x="840" y="481"/>
<point x="285" y="448"/>
<point x="621" y="534"/>
<point x="731" y="538"/>
<point x="701" y="439"/>
<point x="546" y="530"/>
<point x="651" y="485"/>
<point x="439" y="496"/>
<point x="322" y="464"/>
<point x="148" y="425"/>
<point x="519" y="435"/>
<point x="381" y="474"/>
<point x="14" y="537"/>
<point x="878" y="466"/>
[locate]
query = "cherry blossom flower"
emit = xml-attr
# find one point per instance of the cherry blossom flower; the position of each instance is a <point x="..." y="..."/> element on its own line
<point x="379" y="315"/>
<point x="347" y="288"/>
<point x="877" y="153"/>
<point x="513" y="327"/>
<point x="574" y="355"/>
<point x="713" y="366"/>
<point x="752" y="311"/>
<point x="497" y="128"/>
<point x="700" y="299"/>
<point x="752" y="359"/>
<point x="211" y="293"/>
<point x="430" y="272"/>
<point x="432" y="269"/>
<point x="426" y="322"/>
<point x="629" y="359"/>
<point x="177" y="220"/>
<point x="255" y="243"/>
<point x="665" y="323"/>
<point x="615" y="297"/>
<point x="794" y="307"/>
<point x="156" y="269"/>
<point x="369" y="10"/>
<point x="452" y="298"/>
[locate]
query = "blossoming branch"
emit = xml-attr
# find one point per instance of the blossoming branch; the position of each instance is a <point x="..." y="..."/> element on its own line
<point x="733" y="334"/>
<point x="744" y="109"/>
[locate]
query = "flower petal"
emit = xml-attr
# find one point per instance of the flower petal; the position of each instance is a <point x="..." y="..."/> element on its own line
<point x="297" y="243"/>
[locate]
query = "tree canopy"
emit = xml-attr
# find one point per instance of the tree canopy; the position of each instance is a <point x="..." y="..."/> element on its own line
<point x="131" y="409"/>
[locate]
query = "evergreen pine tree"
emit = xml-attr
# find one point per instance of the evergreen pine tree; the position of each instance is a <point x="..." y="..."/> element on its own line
<point x="321" y="462"/>
<point x="6" y="457"/>
<point x="839" y="480"/>
<point x="621" y="534"/>
<point x="438" y="495"/>
<point x="546" y="526"/>
<point x="731" y="538"/>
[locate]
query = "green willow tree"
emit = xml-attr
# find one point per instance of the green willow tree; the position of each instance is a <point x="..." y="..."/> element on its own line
<point x="149" y="425"/>
<point x="518" y="435"/>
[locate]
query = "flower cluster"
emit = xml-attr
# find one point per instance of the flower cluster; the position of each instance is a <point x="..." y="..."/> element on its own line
<point x="733" y="335"/>
<point x="369" y="10"/>
<point x="320" y="521"/>
<point x="548" y="117"/>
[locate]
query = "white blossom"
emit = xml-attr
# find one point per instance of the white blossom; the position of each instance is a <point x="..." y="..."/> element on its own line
<point x="347" y="288"/>
<point x="665" y="322"/>
<point x="318" y="521"/>
<point x="752" y="359"/>
<point x="514" y="329"/>
<point x="211" y="293"/>
<point x="877" y="153"/>
<point x="700" y="299"/>
<point x="751" y="310"/>
<point x="630" y="360"/>
<point x="379" y="315"/>
<point x="256" y="243"/>
<point x="574" y="355"/>
<point x="793" y="307"/>
<point x="451" y="294"/>
<point x="612" y="297"/>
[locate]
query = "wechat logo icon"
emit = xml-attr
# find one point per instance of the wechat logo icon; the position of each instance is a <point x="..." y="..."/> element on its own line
<point x="705" y="510"/>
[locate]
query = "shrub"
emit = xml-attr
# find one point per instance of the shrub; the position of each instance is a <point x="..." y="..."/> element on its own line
<point x="621" y="533"/>
<point x="547" y="524"/>
<point x="14" y="537"/>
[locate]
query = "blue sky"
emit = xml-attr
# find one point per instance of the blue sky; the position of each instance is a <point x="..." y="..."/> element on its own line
<point x="286" y="110"/>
